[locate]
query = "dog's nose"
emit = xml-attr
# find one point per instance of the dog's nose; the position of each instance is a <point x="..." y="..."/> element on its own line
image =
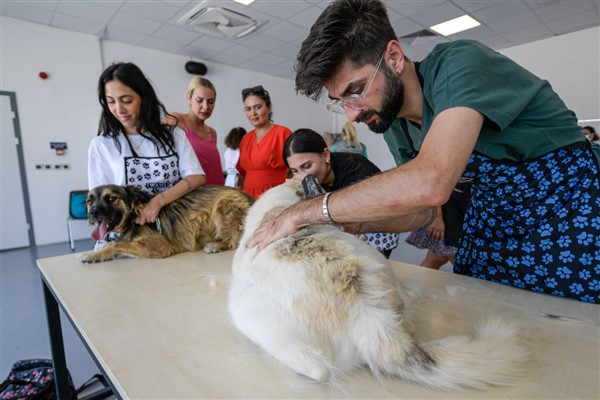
<point x="93" y="212"/>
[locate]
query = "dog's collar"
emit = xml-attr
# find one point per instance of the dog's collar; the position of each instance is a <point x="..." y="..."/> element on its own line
<point x="158" y="228"/>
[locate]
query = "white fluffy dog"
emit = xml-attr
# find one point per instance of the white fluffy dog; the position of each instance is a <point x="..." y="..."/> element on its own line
<point x="324" y="302"/>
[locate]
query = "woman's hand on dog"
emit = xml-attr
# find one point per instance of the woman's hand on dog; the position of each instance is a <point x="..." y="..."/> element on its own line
<point x="150" y="211"/>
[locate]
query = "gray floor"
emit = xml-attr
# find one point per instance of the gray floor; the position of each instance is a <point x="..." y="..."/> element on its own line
<point x="23" y="324"/>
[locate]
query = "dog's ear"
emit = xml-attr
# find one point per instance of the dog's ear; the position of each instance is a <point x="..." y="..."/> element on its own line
<point x="136" y="197"/>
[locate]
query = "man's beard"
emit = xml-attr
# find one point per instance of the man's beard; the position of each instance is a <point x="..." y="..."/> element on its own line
<point x="393" y="99"/>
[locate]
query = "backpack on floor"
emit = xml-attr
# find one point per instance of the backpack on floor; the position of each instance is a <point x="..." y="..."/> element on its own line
<point x="32" y="380"/>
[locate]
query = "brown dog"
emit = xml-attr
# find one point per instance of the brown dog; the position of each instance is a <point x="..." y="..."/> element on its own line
<point x="209" y="218"/>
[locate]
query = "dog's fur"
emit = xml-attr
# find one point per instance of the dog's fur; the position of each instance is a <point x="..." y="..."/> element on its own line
<point x="209" y="218"/>
<point x="323" y="302"/>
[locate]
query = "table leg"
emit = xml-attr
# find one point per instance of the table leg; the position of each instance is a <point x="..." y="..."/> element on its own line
<point x="63" y="391"/>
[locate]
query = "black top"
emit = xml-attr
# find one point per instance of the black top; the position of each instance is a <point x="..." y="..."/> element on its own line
<point x="349" y="168"/>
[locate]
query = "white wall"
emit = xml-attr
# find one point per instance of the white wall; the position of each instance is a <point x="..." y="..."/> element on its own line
<point x="571" y="63"/>
<point x="65" y="107"/>
<point x="61" y="108"/>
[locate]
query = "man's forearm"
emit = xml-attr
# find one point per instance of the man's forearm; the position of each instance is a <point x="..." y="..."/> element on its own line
<point x="405" y="223"/>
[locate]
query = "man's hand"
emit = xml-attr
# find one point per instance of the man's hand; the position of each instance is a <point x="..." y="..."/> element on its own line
<point x="272" y="230"/>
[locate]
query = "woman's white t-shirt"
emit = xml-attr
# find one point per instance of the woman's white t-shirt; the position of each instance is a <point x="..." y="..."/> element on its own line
<point x="106" y="164"/>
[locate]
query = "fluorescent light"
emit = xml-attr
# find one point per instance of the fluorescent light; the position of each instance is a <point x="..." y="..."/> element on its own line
<point x="244" y="2"/>
<point x="455" y="25"/>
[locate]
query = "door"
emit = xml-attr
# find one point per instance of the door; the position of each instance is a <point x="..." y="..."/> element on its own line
<point x="15" y="229"/>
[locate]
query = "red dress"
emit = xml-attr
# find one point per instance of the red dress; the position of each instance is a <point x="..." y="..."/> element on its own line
<point x="262" y="163"/>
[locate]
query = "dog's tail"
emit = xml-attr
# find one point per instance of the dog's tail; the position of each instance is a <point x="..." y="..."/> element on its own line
<point x="491" y="357"/>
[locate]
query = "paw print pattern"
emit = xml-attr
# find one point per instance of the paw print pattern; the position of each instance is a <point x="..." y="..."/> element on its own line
<point x="535" y="225"/>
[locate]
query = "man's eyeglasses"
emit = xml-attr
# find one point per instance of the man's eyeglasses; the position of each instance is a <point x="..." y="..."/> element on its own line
<point x="354" y="101"/>
<point x="253" y="90"/>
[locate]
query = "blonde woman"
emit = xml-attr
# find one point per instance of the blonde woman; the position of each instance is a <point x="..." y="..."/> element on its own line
<point x="201" y="96"/>
<point x="350" y="142"/>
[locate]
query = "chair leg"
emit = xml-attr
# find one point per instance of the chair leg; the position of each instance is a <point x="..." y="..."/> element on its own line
<point x="71" y="241"/>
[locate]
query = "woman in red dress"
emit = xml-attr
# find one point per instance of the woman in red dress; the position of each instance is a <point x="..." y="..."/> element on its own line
<point x="261" y="164"/>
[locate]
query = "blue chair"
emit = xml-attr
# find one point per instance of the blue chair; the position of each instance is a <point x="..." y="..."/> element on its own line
<point x="77" y="210"/>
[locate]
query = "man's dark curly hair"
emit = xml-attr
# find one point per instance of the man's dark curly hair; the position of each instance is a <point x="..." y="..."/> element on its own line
<point x="356" y="30"/>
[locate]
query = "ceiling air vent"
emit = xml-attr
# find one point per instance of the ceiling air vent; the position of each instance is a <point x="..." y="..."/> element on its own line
<point x="419" y="37"/>
<point x="212" y="19"/>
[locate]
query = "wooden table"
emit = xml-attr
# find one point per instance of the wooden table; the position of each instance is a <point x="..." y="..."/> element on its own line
<point x="160" y="329"/>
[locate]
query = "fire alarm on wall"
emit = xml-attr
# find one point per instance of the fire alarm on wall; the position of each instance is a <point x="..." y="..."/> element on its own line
<point x="43" y="75"/>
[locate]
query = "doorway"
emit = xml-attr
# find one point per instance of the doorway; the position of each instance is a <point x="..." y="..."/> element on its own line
<point x="16" y="228"/>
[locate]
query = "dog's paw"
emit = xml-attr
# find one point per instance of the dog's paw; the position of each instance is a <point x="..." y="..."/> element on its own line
<point x="93" y="257"/>
<point x="211" y="248"/>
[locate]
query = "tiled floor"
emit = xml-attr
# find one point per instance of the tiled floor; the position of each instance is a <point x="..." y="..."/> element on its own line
<point x="23" y="324"/>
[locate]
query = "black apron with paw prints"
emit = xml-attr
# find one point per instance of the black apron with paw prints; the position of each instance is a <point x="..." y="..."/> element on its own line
<point x="152" y="174"/>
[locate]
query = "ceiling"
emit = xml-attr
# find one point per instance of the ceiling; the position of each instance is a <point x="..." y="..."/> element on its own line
<point x="273" y="46"/>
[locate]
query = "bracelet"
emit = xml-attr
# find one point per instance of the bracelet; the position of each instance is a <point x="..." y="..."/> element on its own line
<point x="326" y="209"/>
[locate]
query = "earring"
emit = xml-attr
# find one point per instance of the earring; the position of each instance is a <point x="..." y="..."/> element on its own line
<point x="327" y="161"/>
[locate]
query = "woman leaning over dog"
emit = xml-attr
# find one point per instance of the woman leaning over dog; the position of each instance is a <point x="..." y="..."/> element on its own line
<point x="134" y="147"/>
<point x="261" y="165"/>
<point x="305" y="153"/>
<point x="201" y="96"/>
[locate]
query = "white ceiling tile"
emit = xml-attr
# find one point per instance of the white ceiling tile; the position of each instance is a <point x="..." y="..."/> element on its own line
<point x="282" y="9"/>
<point x="243" y="53"/>
<point x="151" y="9"/>
<point x="563" y="9"/>
<point x="133" y="23"/>
<point x="227" y="59"/>
<point x="437" y="14"/>
<point x="496" y="42"/>
<point x="77" y="24"/>
<point x="26" y="13"/>
<point x="514" y="23"/>
<point x="405" y="26"/>
<point x="573" y="23"/>
<point x="87" y="11"/>
<point x="534" y="32"/>
<point x="212" y="43"/>
<point x="288" y="50"/>
<point x="270" y="59"/>
<point x="49" y="5"/>
<point x="428" y="45"/>
<point x="473" y="5"/>
<point x="261" y="42"/>
<point x="278" y="41"/>
<point x="285" y="31"/>
<point x="196" y="53"/>
<point x="107" y="3"/>
<point x="176" y="34"/>
<point x="123" y="35"/>
<point x="408" y="8"/>
<point x="306" y="18"/>
<point x="501" y="11"/>
<point x="476" y="33"/>
<point x="160" y="44"/>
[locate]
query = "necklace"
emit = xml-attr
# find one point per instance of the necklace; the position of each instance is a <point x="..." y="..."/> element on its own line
<point x="136" y="146"/>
